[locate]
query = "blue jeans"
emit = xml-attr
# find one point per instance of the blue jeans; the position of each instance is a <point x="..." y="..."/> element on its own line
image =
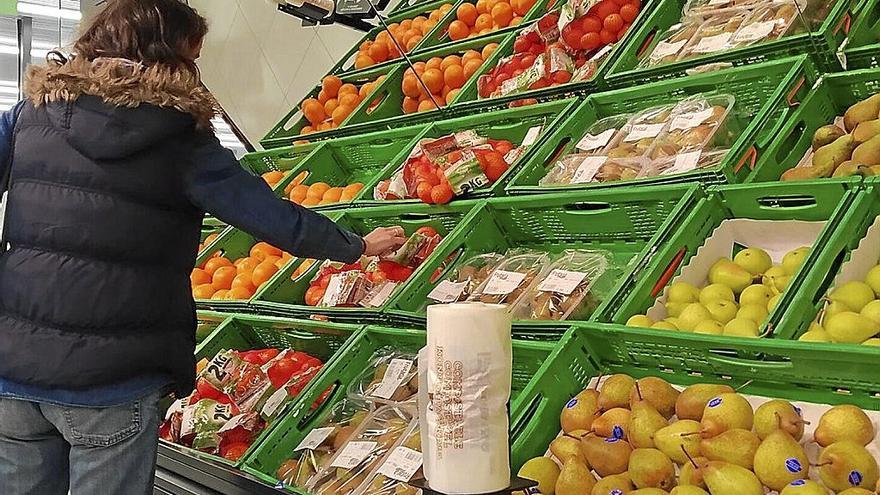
<point x="47" y="449"/>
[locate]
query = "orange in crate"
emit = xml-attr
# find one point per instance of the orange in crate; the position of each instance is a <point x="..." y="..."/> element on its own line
<point x="407" y="34"/>
<point x="444" y="78"/>
<point x="335" y="102"/>
<point x="321" y="193"/>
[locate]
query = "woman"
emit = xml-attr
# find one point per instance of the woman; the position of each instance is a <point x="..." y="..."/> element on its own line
<point x="111" y="164"/>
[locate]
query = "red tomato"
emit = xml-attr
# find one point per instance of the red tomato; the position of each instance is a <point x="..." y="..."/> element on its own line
<point x="281" y="372"/>
<point x="608" y="36"/>
<point x="500" y="78"/>
<point x="591" y="24"/>
<point x="503" y="147"/>
<point x="622" y="32"/>
<point x="312" y="362"/>
<point x="236" y="435"/>
<point x="533" y="37"/>
<point x="252" y="357"/>
<point x="441" y="194"/>
<point x="423" y="191"/>
<point x="267" y="355"/>
<point x="629" y="12"/>
<point x="206" y="390"/>
<point x="591" y="41"/>
<point x="605" y="8"/>
<point x="427" y="231"/>
<point x="547" y="22"/>
<point x="527" y="61"/>
<point x="613" y="23"/>
<point x="540" y="83"/>
<point x="521" y="45"/>
<point x="635" y="3"/>
<point x="561" y="76"/>
<point x="496" y="167"/>
<point x="572" y="35"/>
<point x="537" y="49"/>
<point x="234" y="451"/>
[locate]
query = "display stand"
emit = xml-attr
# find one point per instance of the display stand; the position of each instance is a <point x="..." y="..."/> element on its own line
<point x="517" y="484"/>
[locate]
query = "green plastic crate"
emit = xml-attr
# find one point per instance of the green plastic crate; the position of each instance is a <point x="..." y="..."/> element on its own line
<point x="810" y="201"/>
<point x="821" y="43"/>
<point x="821" y="374"/>
<point x="766" y="96"/>
<point x="862" y="49"/>
<point x="631" y="226"/>
<point x="279" y="159"/>
<point x="319" y="339"/>
<point x="845" y="237"/>
<point x="512" y="124"/>
<point x="283" y="296"/>
<point x="829" y="98"/>
<point x="278" y="447"/>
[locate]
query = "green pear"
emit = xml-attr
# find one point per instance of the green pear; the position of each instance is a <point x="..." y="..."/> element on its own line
<point x="741" y="327"/>
<point x="544" y="471"/>
<point x="616" y="391"/>
<point x="709" y="327"/>
<point x="873" y="341"/>
<point x="829" y="157"/>
<point x="644" y="423"/>
<point x="612" y="423"/>
<point x="754" y="260"/>
<point x="675" y="308"/>
<point x="673" y="320"/>
<point x="639" y="321"/>
<point x="826" y="134"/>
<point x="607" y="456"/>
<point x="725" y="412"/>
<point x="565" y="446"/>
<point x="771" y="275"/>
<point x="658" y="392"/>
<point x="736" y="446"/>
<point x="755" y="312"/>
<point x="716" y="292"/>
<point x="651" y="468"/>
<point x="857" y="491"/>
<point x="850" y="328"/>
<point x="847" y="464"/>
<point x="724" y="478"/>
<point x="872" y="311"/>
<point x="778" y="414"/>
<point x="691" y="473"/>
<point x="866" y="130"/>
<point x="803" y="487"/>
<point x="873" y="279"/>
<point x="854" y="294"/>
<point x="756" y="294"/>
<point x="815" y="336"/>
<point x="679" y="440"/>
<point x="616" y="484"/>
<point x="868" y="153"/>
<point x="728" y="273"/>
<point x="771" y="304"/>
<point x="575" y="478"/>
<point x="649" y="491"/>
<point x="688" y="490"/>
<point x="794" y="259"/>
<point x="844" y="422"/>
<point x="780" y="460"/>
<point x="579" y="412"/>
<point x="665" y="325"/>
<point x="861" y="111"/>
<point x="692" y="401"/>
<point x="682" y="292"/>
<point x="692" y="314"/>
<point x="722" y="311"/>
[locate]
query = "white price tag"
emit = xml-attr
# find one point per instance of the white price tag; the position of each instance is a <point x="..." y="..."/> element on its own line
<point x="756" y="31"/>
<point x="532" y="136"/>
<point x="353" y="454"/>
<point x="601" y="53"/>
<point x="381" y="296"/>
<point x="334" y="290"/>
<point x="315" y="438"/>
<point x="274" y="402"/>
<point x="502" y="283"/>
<point x="711" y="44"/>
<point x="562" y="281"/>
<point x="588" y="169"/>
<point x="664" y="49"/>
<point x="642" y="131"/>
<point x="447" y="292"/>
<point x="684" y="163"/>
<point x="396" y="373"/>
<point x="402" y="464"/>
<point x="591" y="142"/>
<point x="513" y="155"/>
<point x="690" y="120"/>
<point x="718" y="2"/>
<point x="232" y="423"/>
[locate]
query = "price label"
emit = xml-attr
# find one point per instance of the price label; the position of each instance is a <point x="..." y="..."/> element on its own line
<point x="711" y="44"/>
<point x="664" y="49"/>
<point x="353" y="454"/>
<point x="718" y="2"/>
<point x="531" y="136"/>
<point x="690" y="120"/>
<point x="756" y="31"/>
<point x="513" y="155"/>
<point x="396" y="373"/>
<point x="274" y="402"/>
<point x="591" y="142"/>
<point x="333" y="293"/>
<point x="380" y="296"/>
<point x="502" y="283"/>
<point x="233" y="423"/>
<point x="562" y="281"/>
<point x="684" y="163"/>
<point x="642" y="131"/>
<point x="601" y="53"/>
<point x="588" y="169"/>
<point x="315" y="438"/>
<point x="402" y="464"/>
<point x="447" y="292"/>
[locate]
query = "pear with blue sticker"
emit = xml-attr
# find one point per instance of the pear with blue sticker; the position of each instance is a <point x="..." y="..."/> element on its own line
<point x="780" y="460"/>
<point x="847" y="464"/>
<point x="803" y="487"/>
<point x="579" y="412"/>
<point x="726" y="412"/>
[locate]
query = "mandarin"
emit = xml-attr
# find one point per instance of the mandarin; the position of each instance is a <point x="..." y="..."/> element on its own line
<point x="214" y="263"/>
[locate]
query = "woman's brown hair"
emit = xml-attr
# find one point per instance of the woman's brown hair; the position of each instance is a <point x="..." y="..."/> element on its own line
<point x="153" y="32"/>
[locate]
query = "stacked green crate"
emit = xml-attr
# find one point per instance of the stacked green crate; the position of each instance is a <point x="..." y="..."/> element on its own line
<point x="528" y="358"/>
<point x="629" y="226"/>
<point x="766" y="96"/>
<point x="828" y="25"/>
<point x="277" y="160"/>
<point x="862" y="48"/>
<point x="824" y="202"/>
<point x="828" y="99"/>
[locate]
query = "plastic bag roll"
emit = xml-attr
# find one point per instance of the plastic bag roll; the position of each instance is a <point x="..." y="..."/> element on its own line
<point x="469" y="378"/>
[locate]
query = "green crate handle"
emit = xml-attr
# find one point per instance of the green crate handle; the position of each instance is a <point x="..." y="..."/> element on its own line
<point x="736" y="362"/>
<point x="647" y="43"/>
<point x="587" y="208"/>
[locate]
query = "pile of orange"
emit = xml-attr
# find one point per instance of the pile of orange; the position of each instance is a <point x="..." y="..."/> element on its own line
<point x="443" y="77"/>
<point x="208" y="240"/>
<point x="321" y="193"/>
<point x="302" y="268"/>
<point x="408" y="33"/>
<point x="335" y="102"/>
<point x="485" y="16"/>
<point x="219" y="278"/>
<point x="273" y="178"/>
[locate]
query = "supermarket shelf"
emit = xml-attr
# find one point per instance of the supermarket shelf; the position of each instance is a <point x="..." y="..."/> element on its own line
<point x="208" y="477"/>
<point x="167" y="483"/>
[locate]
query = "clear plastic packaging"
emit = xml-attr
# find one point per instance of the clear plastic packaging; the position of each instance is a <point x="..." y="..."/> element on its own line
<point x="391" y="378"/>
<point x="563" y="291"/>
<point x="708" y="7"/>
<point x="714" y="35"/>
<point x="767" y="22"/>
<point x="391" y="477"/>
<point x="464" y="280"/>
<point x="693" y="125"/>
<point x="671" y="44"/>
<point x="639" y="134"/>
<point x="511" y="279"/>
<point x="363" y="452"/>
<point x="685" y="162"/>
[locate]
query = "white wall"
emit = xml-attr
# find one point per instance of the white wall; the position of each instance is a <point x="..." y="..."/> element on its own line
<point x="260" y="62"/>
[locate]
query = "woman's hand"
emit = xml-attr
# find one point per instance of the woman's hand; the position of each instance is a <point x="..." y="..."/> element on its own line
<point x="383" y="240"/>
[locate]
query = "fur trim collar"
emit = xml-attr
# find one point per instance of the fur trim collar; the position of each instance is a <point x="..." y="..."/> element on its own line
<point x="121" y="83"/>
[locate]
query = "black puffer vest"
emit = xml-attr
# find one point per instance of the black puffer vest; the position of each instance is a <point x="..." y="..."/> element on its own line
<point x="94" y="288"/>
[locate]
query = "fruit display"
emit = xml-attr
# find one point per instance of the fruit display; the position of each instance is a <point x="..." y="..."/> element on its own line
<point x="459" y="285"/>
<point x="851" y="314"/>
<point x="391" y="378"/>
<point x="219" y="278"/>
<point x="485" y="16"/>
<point x="399" y="467"/>
<point x="438" y="170"/>
<point x="321" y="193"/>
<point x="662" y="140"/>
<point x="563" y="46"/>
<point x="208" y="240"/>
<point x="406" y="34"/>
<point x="735" y="299"/>
<point x="443" y="77"/>
<point x="848" y="146"/>
<point x="647" y="436"/>
<point x="334" y="103"/>
<point x="238" y="393"/>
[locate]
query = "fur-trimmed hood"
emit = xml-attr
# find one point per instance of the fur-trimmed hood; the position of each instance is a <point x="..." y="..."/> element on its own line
<point x="121" y="83"/>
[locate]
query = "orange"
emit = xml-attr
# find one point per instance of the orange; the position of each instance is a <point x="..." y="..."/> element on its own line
<point x="313" y="110"/>
<point x="300" y="177"/>
<point x="482" y="7"/>
<point x="434" y="63"/>
<point x="362" y="61"/>
<point x="263" y="250"/>
<point x="307" y="129"/>
<point x="433" y="80"/>
<point x="410" y="105"/>
<point x="434" y="15"/>
<point x="445" y="8"/>
<point x="410" y="86"/>
<point x="220" y="294"/>
<point x="467" y="13"/>
<point x="348" y="88"/>
<point x="470" y="55"/>
<point x="429" y="25"/>
<point x="471" y="67"/>
<point x="365" y="46"/>
<point x="458" y="30"/>
<point x="331" y="85"/>
<point x="214" y="263"/>
<point x="426" y="105"/>
<point x="263" y="272"/>
<point x="412" y="42"/>
<point x="243" y="280"/>
<point x="420" y="67"/>
<point x="484" y="21"/>
<point x="489" y="49"/>
<point x="453" y="76"/>
<point x="314" y="295"/>
<point x="502" y="14"/>
<point x="317" y="190"/>
<point x="349" y="99"/>
<point x="204" y="291"/>
<point x="222" y="278"/>
<point x="298" y="193"/>
<point x="326" y="202"/>
<point x="517" y="20"/>
<point x="324" y="126"/>
<point x="365" y="90"/>
<point x="451" y="95"/>
<point x="199" y="277"/>
<point x="330" y="105"/>
<point x="271" y="259"/>
<point x="379" y="52"/>
<point x="418" y="23"/>
<point x="273" y="177"/>
<point x="310" y="201"/>
<point x="247" y="265"/>
<point x="406" y="24"/>
<point x="239" y="293"/>
<point x="522" y="7"/>
<point x="280" y="262"/>
<point x="323" y="96"/>
<point x="486" y="31"/>
<point x="333" y="194"/>
<point x="446" y="90"/>
<point x="352" y="190"/>
<point x="450" y="60"/>
<point x="341" y="113"/>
